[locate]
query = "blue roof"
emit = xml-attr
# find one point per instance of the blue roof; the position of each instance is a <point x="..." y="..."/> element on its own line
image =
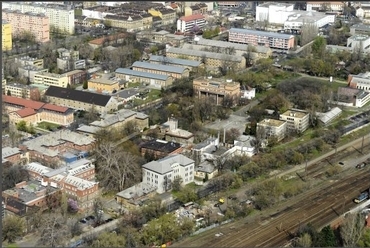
<point x="130" y="72"/>
<point x="261" y="33"/>
<point x="159" y="67"/>
<point x="185" y="62"/>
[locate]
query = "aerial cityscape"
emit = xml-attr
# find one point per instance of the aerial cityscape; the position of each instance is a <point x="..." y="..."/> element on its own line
<point x="186" y="124"/>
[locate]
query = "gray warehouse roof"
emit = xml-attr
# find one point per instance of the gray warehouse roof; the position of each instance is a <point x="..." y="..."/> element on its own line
<point x="261" y="33"/>
<point x="167" y="68"/>
<point x="143" y="74"/>
<point x="199" y="54"/>
<point x="163" y="166"/>
<point x="184" y="62"/>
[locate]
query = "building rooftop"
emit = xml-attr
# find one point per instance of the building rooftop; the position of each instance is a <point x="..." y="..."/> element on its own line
<point x="295" y="113"/>
<point x="136" y="191"/>
<point x="119" y="116"/>
<point x="25" y="112"/>
<point x="176" y="61"/>
<point x="25" y="103"/>
<point x="18" y="85"/>
<point x="159" y="67"/>
<point x="161" y="146"/>
<point x="359" y="37"/>
<point x="9" y="151"/>
<point x="361" y="27"/>
<point x="206" y="166"/>
<point x="73" y="168"/>
<point x="127" y="71"/>
<point x="195" y="53"/>
<point x="226" y="44"/>
<point x="272" y="122"/>
<point x="275" y="4"/>
<point x="191" y="18"/>
<point x="103" y="81"/>
<point x="77" y="95"/>
<point x="127" y="93"/>
<point x="164" y="165"/>
<point x="88" y="129"/>
<point x="261" y="33"/>
<point x="79" y="183"/>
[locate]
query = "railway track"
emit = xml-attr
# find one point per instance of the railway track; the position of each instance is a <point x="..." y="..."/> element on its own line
<point x="276" y="231"/>
<point x="318" y="206"/>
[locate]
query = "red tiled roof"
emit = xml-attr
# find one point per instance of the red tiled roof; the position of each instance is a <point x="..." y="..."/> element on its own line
<point x="173" y="5"/>
<point x="56" y="108"/>
<point x="191" y="18"/>
<point x="26" y="103"/>
<point x="25" y="112"/>
<point x="100" y="41"/>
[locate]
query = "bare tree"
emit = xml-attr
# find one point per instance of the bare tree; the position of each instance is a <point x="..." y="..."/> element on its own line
<point x="117" y="167"/>
<point x="98" y="210"/>
<point x="260" y="137"/>
<point x="309" y="32"/>
<point x="304" y="241"/>
<point x="351" y="229"/>
<point x="54" y="230"/>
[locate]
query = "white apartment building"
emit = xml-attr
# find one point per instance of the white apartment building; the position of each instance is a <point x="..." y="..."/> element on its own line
<point x="273" y="12"/>
<point x="358" y="41"/>
<point x="360" y="81"/>
<point x="272" y="128"/>
<point x="29" y="72"/>
<point x="187" y="23"/>
<point x="296" y="19"/>
<point x="161" y="173"/>
<point x="296" y="119"/>
<point x="48" y="79"/>
<point x="329" y="6"/>
<point x="61" y="17"/>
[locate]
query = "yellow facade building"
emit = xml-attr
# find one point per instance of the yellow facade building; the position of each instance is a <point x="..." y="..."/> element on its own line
<point x="51" y="79"/>
<point x="103" y="85"/>
<point x="6" y="34"/>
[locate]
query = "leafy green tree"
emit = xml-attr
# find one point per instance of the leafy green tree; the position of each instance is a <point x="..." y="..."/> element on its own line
<point x="13" y="227"/>
<point x="8" y="93"/>
<point x="365" y="239"/>
<point x="187" y="194"/>
<point x="22" y="126"/>
<point x="327" y="237"/>
<point x="176" y="184"/>
<point x="250" y="170"/>
<point x="109" y="239"/>
<point x="319" y="46"/>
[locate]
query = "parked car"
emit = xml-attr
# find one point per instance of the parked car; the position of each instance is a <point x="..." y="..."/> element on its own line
<point x="83" y="221"/>
<point x="90" y="217"/>
<point x="361" y="165"/>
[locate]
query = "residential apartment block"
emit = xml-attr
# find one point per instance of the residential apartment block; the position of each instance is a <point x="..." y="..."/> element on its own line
<point x="196" y="9"/>
<point x="359" y="42"/>
<point x="360" y="81"/>
<point x="173" y="71"/>
<point x="261" y="38"/>
<point x="297" y="120"/>
<point x="76" y="77"/>
<point x="61" y="17"/>
<point x="168" y="16"/>
<point x="29" y="72"/>
<point x="328" y="6"/>
<point x="76" y="180"/>
<point x="161" y="173"/>
<point x="51" y="79"/>
<point x="162" y="37"/>
<point x="27" y="60"/>
<point x="53" y="148"/>
<point x="13" y="155"/>
<point x="36" y="24"/>
<point x="33" y="112"/>
<point x="191" y="23"/>
<point x="81" y="100"/>
<point x="272" y="128"/>
<point x="216" y="89"/>
<point x="103" y="83"/>
<point x="22" y="91"/>
<point x="131" y="23"/>
<point x="155" y="80"/>
<point x="212" y="60"/>
<point x="6" y="35"/>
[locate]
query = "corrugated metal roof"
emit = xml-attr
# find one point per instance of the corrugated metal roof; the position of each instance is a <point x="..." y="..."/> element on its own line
<point x="130" y="72"/>
<point x="261" y="33"/>
<point x="166" y="68"/>
<point x="184" y="62"/>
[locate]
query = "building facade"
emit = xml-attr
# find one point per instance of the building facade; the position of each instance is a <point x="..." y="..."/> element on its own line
<point x="272" y="128"/>
<point x="61" y="17"/>
<point x="27" y="60"/>
<point x="51" y="79"/>
<point x="131" y="23"/>
<point x="22" y="91"/>
<point x="191" y="23"/>
<point x="358" y="42"/>
<point x="325" y="6"/>
<point x="161" y="173"/>
<point x="152" y="79"/>
<point x="103" y="85"/>
<point x="297" y="120"/>
<point x="261" y="38"/>
<point x="6" y="35"/>
<point x="360" y="81"/>
<point x="36" y="24"/>
<point x="217" y="90"/>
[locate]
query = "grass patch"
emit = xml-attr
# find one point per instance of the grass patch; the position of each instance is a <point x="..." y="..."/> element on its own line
<point x="151" y="96"/>
<point x="47" y="125"/>
<point x="78" y="12"/>
<point x="133" y="85"/>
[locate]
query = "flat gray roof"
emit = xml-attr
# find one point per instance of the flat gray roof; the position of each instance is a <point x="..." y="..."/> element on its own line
<point x="190" y="52"/>
<point x="163" y="166"/>
<point x="261" y="33"/>
<point x="167" y="68"/>
<point x="184" y="62"/>
<point x="143" y="74"/>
